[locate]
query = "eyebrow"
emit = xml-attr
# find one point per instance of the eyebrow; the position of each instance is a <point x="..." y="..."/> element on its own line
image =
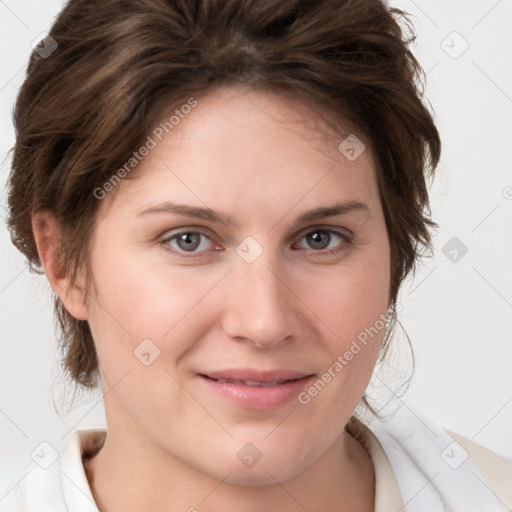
<point x="340" y="208"/>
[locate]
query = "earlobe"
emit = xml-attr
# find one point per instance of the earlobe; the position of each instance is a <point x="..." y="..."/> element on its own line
<point x="47" y="237"/>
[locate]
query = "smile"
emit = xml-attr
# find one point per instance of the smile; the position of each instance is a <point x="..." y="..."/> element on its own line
<point x="251" y="382"/>
<point x="258" y="390"/>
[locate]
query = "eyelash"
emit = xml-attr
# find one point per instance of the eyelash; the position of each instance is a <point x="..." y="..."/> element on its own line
<point x="347" y="240"/>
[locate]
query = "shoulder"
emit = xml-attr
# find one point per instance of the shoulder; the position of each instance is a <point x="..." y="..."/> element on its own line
<point x="495" y="469"/>
<point x="437" y="469"/>
<point x="38" y="489"/>
<point x="59" y="485"/>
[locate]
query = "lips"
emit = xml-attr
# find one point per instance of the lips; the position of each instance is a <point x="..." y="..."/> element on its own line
<point x="251" y="382"/>
<point x="256" y="389"/>
<point x="252" y="377"/>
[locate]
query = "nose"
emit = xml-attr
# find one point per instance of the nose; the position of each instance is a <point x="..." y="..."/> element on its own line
<point x="260" y="307"/>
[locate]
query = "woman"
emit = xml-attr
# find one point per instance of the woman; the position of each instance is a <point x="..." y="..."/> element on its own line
<point x="287" y="144"/>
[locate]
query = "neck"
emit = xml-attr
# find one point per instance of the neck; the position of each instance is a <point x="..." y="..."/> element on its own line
<point x="142" y="479"/>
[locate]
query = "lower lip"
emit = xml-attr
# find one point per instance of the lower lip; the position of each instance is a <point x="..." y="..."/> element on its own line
<point x="258" y="397"/>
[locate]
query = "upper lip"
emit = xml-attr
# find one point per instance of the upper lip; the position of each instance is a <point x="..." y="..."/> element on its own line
<point x="250" y="374"/>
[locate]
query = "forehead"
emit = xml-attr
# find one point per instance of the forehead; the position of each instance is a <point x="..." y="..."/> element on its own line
<point x="244" y="145"/>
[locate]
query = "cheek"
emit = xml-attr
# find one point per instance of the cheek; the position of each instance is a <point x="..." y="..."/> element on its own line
<point x="143" y="322"/>
<point x="136" y="301"/>
<point x="352" y="298"/>
<point x="352" y="306"/>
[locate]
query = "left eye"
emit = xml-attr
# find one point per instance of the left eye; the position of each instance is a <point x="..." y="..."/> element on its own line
<point x="321" y="239"/>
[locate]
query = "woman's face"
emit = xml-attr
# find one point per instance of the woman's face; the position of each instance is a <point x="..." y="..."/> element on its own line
<point x="238" y="310"/>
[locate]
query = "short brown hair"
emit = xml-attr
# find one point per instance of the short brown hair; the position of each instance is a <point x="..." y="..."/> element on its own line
<point x="83" y="109"/>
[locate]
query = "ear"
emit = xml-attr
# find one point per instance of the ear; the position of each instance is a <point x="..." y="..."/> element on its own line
<point x="47" y="236"/>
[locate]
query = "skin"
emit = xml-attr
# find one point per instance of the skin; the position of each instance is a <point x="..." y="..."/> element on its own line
<point x="172" y="444"/>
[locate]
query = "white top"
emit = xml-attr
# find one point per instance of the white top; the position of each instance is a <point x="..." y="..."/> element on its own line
<point x="419" y="467"/>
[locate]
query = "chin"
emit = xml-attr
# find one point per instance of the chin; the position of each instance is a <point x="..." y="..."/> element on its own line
<point x="261" y="475"/>
<point x="253" y="468"/>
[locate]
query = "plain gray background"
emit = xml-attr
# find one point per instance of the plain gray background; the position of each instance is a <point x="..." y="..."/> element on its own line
<point x="458" y="314"/>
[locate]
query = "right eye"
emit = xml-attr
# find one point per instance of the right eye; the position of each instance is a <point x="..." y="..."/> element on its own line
<point x="185" y="242"/>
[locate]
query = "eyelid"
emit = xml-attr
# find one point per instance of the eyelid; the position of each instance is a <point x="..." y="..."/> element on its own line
<point x="173" y="232"/>
<point x="345" y="232"/>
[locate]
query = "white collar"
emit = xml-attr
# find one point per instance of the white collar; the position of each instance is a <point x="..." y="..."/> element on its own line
<point x="76" y="488"/>
<point x="432" y="470"/>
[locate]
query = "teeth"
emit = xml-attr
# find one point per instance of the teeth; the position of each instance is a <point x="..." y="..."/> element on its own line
<point x="250" y="382"/>
<point x="264" y="384"/>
